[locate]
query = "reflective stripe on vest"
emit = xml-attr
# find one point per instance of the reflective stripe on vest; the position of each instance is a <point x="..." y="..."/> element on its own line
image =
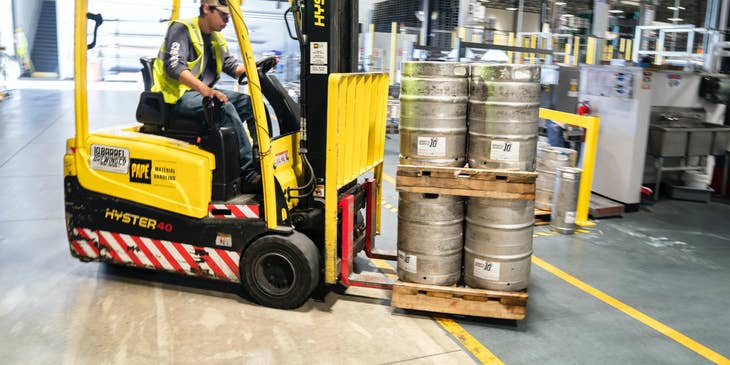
<point x="173" y="89"/>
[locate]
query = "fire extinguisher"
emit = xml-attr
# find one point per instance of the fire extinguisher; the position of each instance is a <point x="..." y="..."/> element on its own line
<point x="584" y="108"/>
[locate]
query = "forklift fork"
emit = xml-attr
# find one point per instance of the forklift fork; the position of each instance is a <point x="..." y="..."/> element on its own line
<point x="364" y="279"/>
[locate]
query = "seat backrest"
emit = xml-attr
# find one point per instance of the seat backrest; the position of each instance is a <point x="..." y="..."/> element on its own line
<point x="287" y="110"/>
<point x="146" y="70"/>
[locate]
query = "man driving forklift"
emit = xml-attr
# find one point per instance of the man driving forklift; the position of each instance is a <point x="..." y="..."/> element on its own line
<point x="184" y="72"/>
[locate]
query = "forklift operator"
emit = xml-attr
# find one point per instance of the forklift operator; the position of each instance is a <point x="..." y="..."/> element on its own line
<point x="190" y="62"/>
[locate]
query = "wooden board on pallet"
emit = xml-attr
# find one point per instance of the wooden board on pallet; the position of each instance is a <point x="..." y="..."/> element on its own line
<point x="459" y="300"/>
<point x="542" y="217"/>
<point x="478" y="183"/>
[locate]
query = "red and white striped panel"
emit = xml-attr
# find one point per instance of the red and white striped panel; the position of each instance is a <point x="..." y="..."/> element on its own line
<point x="83" y="243"/>
<point x="233" y="211"/>
<point x="163" y="255"/>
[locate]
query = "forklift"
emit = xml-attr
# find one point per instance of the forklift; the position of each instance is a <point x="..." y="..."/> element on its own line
<point x="166" y="194"/>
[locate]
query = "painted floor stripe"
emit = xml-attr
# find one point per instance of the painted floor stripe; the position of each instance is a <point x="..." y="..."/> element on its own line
<point x="468" y="341"/>
<point x="389" y="178"/>
<point x="479" y="351"/>
<point x="631" y="312"/>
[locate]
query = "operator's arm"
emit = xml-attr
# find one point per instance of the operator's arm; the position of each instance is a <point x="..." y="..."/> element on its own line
<point x="231" y="66"/>
<point x="177" y="52"/>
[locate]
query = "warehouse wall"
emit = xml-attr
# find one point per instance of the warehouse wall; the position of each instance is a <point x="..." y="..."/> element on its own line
<point x="505" y="20"/>
<point x="27" y="13"/>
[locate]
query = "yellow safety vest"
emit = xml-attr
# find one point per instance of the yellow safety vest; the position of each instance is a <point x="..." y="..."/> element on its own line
<point x="172" y="89"/>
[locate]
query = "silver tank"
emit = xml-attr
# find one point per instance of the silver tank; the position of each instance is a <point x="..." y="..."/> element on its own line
<point x="565" y="199"/>
<point x="498" y="243"/>
<point x="430" y="238"/>
<point x="504" y="103"/>
<point x="433" y="99"/>
<point x="550" y="159"/>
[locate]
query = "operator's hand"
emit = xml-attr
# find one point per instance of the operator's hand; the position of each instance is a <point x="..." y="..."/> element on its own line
<point x="213" y="93"/>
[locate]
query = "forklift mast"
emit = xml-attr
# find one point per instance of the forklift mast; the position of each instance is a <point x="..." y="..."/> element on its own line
<point x="331" y="33"/>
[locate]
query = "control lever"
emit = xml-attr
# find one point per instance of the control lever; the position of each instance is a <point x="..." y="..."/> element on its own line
<point x="212" y="112"/>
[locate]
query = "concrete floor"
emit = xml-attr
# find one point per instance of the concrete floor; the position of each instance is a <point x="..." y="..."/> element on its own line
<point x="669" y="262"/>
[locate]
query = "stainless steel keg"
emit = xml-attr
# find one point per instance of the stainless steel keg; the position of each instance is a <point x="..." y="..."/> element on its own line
<point x="433" y="98"/>
<point x="549" y="159"/>
<point x="430" y="238"/>
<point x="504" y="103"/>
<point x="498" y="243"/>
<point x="565" y="199"/>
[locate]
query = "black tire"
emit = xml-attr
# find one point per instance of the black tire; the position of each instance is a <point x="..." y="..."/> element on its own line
<point x="281" y="271"/>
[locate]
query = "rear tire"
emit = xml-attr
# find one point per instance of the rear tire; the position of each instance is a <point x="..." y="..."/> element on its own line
<point x="281" y="271"/>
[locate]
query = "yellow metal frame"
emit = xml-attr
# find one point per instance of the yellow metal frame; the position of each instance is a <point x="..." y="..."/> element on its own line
<point x="591" y="124"/>
<point x="356" y="113"/>
<point x="259" y="112"/>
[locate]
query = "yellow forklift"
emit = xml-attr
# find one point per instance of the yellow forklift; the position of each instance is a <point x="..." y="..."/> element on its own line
<point x="165" y="193"/>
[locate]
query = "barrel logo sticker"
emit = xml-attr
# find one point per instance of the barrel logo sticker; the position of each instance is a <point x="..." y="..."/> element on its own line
<point x="486" y="270"/>
<point x="407" y="262"/>
<point x="505" y="151"/>
<point x="570" y="217"/>
<point x="432" y="146"/>
<point x="109" y="158"/>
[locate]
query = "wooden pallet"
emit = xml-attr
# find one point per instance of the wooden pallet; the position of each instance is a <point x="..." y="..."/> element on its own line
<point x="542" y="217"/>
<point x="460" y="300"/>
<point x="478" y="183"/>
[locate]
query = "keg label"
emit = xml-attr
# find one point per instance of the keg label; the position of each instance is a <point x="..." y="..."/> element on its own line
<point x="570" y="217"/>
<point x="407" y="262"/>
<point x="505" y="151"/>
<point x="486" y="270"/>
<point x="432" y="146"/>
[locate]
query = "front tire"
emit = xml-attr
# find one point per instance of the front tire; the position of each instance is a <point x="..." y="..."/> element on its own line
<point x="281" y="271"/>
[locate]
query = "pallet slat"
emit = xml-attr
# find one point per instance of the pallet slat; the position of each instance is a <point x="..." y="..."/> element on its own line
<point x="460" y="300"/>
<point x="466" y="182"/>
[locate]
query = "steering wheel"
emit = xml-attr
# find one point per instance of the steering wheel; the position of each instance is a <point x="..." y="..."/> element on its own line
<point x="263" y="66"/>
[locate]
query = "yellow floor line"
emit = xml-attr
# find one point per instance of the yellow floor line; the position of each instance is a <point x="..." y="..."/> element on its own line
<point x="468" y="341"/>
<point x="389" y="178"/>
<point x="384" y="267"/>
<point x="631" y="312"/>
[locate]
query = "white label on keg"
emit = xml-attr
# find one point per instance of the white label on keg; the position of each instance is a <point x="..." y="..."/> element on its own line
<point x="570" y="217"/>
<point x="432" y="146"/>
<point x="505" y="151"/>
<point x="486" y="270"/>
<point x="407" y="262"/>
<point x="459" y="71"/>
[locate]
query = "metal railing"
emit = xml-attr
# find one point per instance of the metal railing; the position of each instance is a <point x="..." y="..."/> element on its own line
<point x="591" y="124"/>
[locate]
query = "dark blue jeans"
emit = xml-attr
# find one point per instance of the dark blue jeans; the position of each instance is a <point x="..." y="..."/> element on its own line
<point x="235" y="112"/>
<point x="555" y="134"/>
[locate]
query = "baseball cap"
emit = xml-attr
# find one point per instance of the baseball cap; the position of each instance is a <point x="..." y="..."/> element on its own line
<point x="221" y="5"/>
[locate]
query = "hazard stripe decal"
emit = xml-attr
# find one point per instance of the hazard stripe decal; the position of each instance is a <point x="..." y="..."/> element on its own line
<point x="149" y="253"/>
<point x="233" y="211"/>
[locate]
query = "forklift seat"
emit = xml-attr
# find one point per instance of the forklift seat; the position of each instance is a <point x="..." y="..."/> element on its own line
<point x="157" y="116"/>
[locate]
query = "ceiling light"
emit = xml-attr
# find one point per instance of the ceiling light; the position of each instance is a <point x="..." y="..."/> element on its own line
<point x="676" y="8"/>
<point x="615" y="11"/>
<point x="675" y="19"/>
<point x="511" y="9"/>
<point x="559" y="3"/>
<point x="566" y="16"/>
<point x="627" y="2"/>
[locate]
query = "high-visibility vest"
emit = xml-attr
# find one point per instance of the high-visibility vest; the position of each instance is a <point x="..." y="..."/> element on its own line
<point x="172" y="89"/>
